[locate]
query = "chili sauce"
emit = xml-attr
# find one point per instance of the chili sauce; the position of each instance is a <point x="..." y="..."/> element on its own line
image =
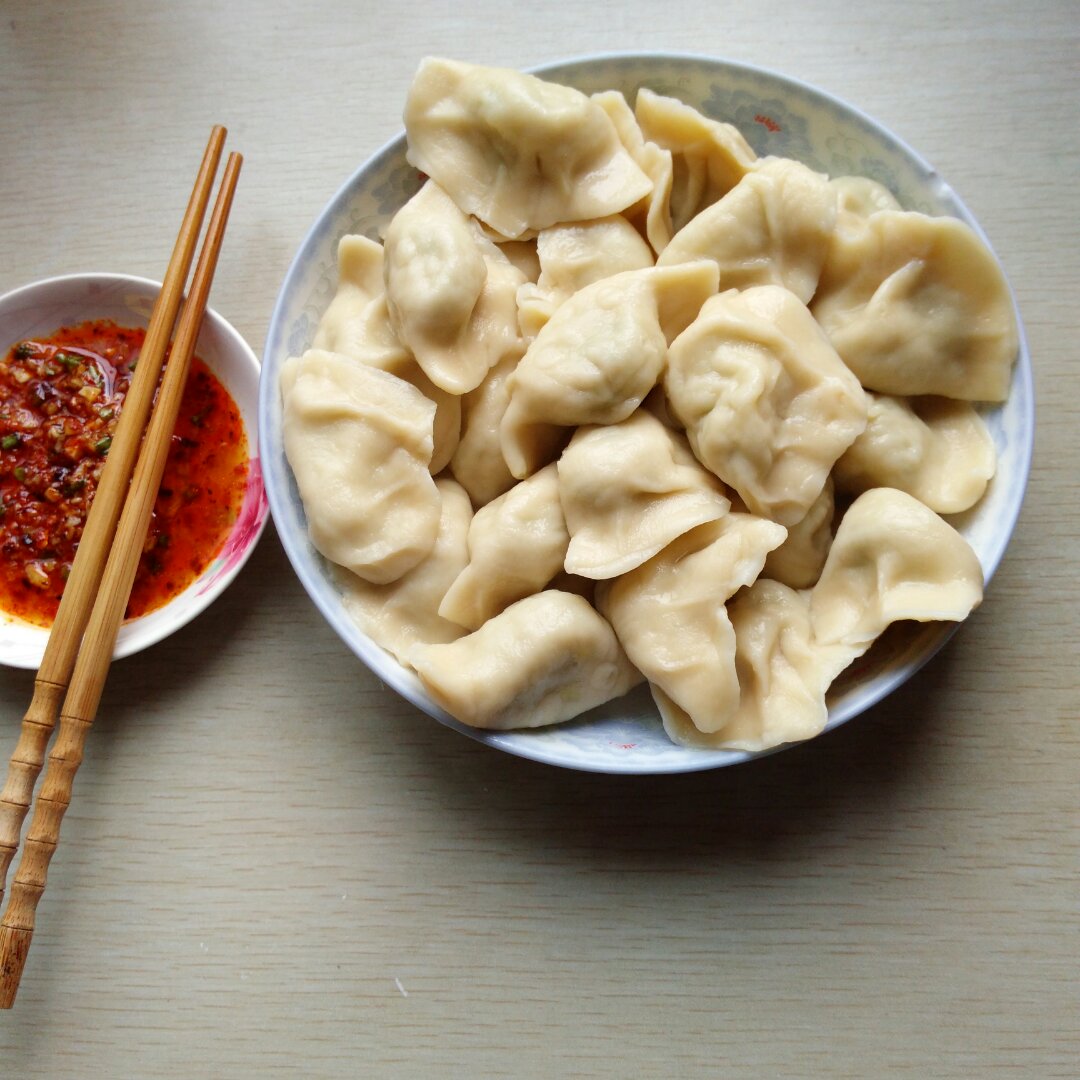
<point x="60" y="397"/>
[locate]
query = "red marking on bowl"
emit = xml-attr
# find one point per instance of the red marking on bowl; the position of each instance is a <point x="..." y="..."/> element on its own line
<point x="253" y="512"/>
<point x="766" y="122"/>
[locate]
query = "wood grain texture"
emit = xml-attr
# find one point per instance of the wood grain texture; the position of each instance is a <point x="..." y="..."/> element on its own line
<point x="81" y="589"/>
<point x="317" y="880"/>
<point x="94" y="661"/>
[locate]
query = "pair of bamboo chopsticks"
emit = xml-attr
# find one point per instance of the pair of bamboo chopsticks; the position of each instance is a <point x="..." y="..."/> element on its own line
<point x="81" y="643"/>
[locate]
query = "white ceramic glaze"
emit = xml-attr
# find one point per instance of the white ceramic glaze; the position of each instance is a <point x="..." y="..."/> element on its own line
<point x="45" y="306"/>
<point x="778" y="115"/>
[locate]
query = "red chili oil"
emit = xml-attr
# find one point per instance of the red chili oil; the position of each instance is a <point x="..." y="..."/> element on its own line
<point x="60" y="397"/>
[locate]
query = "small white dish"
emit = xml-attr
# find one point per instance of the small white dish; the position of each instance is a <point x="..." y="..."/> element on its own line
<point x="778" y="115"/>
<point x="42" y="308"/>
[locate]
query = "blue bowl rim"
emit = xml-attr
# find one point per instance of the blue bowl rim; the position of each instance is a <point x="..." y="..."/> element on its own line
<point x="934" y="636"/>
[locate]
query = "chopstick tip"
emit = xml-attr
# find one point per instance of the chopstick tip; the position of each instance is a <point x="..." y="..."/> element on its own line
<point x="14" y="945"/>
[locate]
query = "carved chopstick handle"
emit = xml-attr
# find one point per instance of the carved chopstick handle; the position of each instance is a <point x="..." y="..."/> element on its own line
<point x="92" y="666"/>
<point x="81" y="588"/>
<point x="17" y="929"/>
<point x="23" y="769"/>
<point x="99" y="639"/>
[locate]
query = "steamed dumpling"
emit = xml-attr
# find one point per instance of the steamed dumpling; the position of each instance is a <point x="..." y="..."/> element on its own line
<point x="517" y="152"/>
<point x="543" y="660"/>
<point x="446" y="430"/>
<point x="936" y="449"/>
<point x="768" y="405"/>
<point x="772" y="228"/>
<point x="892" y="558"/>
<point x="670" y="617"/>
<point x="918" y="305"/>
<point x="405" y="612"/>
<point x="783" y="675"/>
<point x="517" y="544"/>
<point x="783" y="671"/>
<point x="434" y="273"/>
<point x="597" y="358"/>
<point x="857" y="197"/>
<point x="593" y="403"/>
<point x="451" y="293"/>
<point x="357" y="324"/>
<point x="359" y="442"/>
<point x="652" y="214"/>
<point x="708" y="157"/>
<point x="478" y="464"/>
<point x="627" y="491"/>
<point x="798" y="561"/>
<point x="573" y="256"/>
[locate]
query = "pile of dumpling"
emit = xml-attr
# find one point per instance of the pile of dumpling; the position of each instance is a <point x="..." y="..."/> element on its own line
<point x="587" y="414"/>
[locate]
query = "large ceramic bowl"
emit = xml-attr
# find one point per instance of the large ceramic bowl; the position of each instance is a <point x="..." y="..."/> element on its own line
<point x="778" y="115"/>
<point x="45" y="306"/>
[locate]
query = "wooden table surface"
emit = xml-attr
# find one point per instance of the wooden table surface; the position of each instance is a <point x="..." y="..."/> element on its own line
<point x="274" y="867"/>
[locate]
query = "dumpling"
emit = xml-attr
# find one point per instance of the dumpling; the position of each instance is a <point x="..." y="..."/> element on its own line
<point x="405" y="612"/>
<point x="857" y="197"/>
<point x="451" y="293"/>
<point x="936" y="449"/>
<point x="517" y="152"/>
<point x="597" y="358"/>
<point x="446" y="431"/>
<point x="783" y="672"/>
<point x="627" y="491"/>
<point x="670" y="617"/>
<point x="918" y="305"/>
<point x="478" y="464"/>
<point x="434" y="274"/>
<point x="500" y="240"/>
<point x="543" y="660"/>
<point x="357" y="324"/>
<point x="772" y="228"/>
<point x="573" y="256"/>
<point x="783" y="675"/>
<point x="359" y="442"/>
<point x="652" y="214"/>
<point x="798" y="561"/>
<point x="768" y="405"/>
<point x="892" y="558"/>
<point x="517" y="544"/>
<point x="708" y="157"/>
